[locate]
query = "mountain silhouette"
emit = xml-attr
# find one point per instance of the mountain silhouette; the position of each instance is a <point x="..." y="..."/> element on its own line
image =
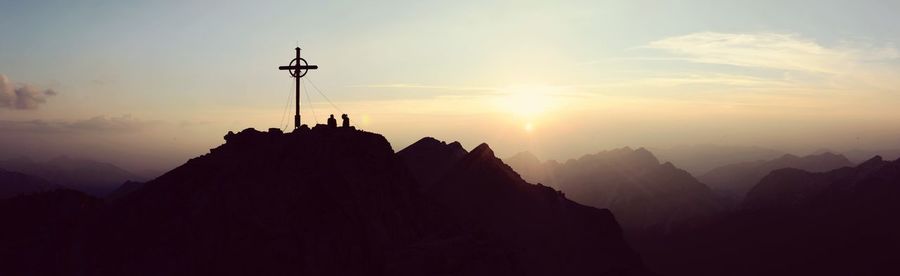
<point x="326" y="201"/>
<point x="792" y="187"/>
<point x="738" y="179"/>
<point x="15" y="183"/>
<point x="840" y="222"/>
<point x="551" y="234"/>
<point x="92" y="177"/>
<point x="642" y="192"/>
<point x="428" y="159"/>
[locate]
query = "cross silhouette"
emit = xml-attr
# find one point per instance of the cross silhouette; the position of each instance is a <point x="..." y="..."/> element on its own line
<point x="298" y="68"/>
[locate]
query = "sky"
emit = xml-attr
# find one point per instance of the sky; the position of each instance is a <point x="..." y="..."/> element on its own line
<point x="150" y="84"/>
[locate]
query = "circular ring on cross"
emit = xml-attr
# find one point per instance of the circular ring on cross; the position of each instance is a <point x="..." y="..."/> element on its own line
<point x="298" y="73"/>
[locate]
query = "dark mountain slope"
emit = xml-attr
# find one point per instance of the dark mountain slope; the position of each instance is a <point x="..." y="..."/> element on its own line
<point x="320" y="201"/>
<point x="124" y="189"/>
<point x="551" y="234"/>
<point x="548" y="234"/>
<point x="40" y="231"/>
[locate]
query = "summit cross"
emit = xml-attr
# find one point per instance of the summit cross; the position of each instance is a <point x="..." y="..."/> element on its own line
<point x="298" y="68"/>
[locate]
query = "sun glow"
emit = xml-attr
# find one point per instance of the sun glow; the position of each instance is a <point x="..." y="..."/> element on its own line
<point x="528" y="102"/>
<point x="528" y="105"/>
<point x="529" y="127"/>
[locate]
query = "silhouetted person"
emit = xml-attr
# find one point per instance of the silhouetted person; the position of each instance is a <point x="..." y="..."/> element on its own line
<point x="345" y="120"/>
<point x="332" y="122"/>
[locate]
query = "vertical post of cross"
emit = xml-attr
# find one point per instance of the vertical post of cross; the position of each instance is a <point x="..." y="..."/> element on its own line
<point x="297" y="95"/>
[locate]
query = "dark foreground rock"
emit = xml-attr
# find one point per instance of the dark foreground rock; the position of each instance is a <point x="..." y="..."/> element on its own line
<point x="321" y="201"/>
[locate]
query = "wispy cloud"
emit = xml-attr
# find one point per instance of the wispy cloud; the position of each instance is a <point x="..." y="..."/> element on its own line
<point x="423" y="86"/>
<point x="786" y="61"/>
<point x="22" y="96"/>
<point x="782" y="51"/>
<point x="98" y="124"/>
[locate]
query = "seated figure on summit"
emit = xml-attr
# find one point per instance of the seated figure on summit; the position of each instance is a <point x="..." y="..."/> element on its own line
<point x="345" y="122"/>
<point x="332" y="122"/>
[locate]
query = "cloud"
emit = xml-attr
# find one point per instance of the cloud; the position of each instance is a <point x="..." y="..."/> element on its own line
<point x="22" y="96"/>
<point x="781" y="51"/>
<point x="98" y="124"/>
<point x="422" y="86"/>
<point x="786" y="62"/>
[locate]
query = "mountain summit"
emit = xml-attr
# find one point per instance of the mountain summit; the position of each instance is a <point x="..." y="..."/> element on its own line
<point x="333" y="201"/>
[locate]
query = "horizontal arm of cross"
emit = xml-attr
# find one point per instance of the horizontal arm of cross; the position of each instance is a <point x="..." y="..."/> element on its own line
<point x="308" y="67"/>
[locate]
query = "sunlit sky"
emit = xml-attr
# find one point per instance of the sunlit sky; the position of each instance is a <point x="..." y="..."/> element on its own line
<point x="150" y="84"/>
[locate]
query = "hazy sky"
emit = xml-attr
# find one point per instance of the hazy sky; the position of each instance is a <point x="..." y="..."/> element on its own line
<point x="149" y="84"/>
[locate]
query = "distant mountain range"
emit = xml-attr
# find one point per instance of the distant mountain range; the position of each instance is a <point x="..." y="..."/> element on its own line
<point x="699" y="159"/>
<point x="738" y="179"/>
<point x="92" y="177"/>
<point x="642" y="192"/>
<point x="15" y="183"/>
<point x="321" y="201"/>
<point x="794" y="222"/>
<point x="859" y="156"/>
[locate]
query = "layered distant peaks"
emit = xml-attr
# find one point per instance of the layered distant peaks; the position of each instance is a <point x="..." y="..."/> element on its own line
<point x="525" y="157"/>
<point x="93" y="177"/>
<point x="739" y="178"/>
<point x="791" y="187"/>
<point x="699" y="159"/>
<point x="531" y="168"/>
<point x="812" y="161"/>
<point x="632" y="183"/>
<point x="15" y="183"/>
<point x="788" y="157"/>
<point x="626" y="156"/>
